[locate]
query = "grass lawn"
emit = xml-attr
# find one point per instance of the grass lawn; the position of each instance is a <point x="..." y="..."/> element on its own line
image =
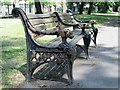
<point x="13" y="47"/>
<point x="99" y="17"/>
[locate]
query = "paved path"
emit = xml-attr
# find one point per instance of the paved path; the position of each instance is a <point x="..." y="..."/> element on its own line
<point x="101" y="71"/>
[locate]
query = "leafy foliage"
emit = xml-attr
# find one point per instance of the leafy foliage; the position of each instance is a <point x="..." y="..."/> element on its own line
<point x="6" y="2"/>
<point x="104" y="7"/>
<point x="31" y="1"/>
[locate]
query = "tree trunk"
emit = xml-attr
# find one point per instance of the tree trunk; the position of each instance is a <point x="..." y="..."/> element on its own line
<point x="43" y="5"/>
<point x="38" y="7"/>
<point x="25" y="6"/>
<point x="105" y="7"/>
<point x="98" y="8"/>
<point x="80" y="8"/>
<point x="13" y="5"/>
<point x="8" y="9"/>
<point x="30" y="6"/>
<point x="70" y="5"/>
<point x="90" y="8"/>
<point x="115" y="8"/>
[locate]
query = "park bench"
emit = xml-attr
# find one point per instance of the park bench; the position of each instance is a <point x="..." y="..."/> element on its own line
<point x="89" y="25"/>
<point x="61" y="50"/>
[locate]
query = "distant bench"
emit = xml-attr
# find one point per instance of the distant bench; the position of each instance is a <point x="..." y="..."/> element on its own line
<point x="62" y="49"/>
<point x="89" y="26"/>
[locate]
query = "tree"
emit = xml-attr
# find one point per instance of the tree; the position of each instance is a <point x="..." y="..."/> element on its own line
<point x="46" y="3"/>
<point x="31" y="2"/>
<point x="103" y="7"/>
<point x="38" y="7"/>
<point x="70" y="5"/>
<point x="80" y="7"/>
<point x="115" y="6"/>
<point x="90" y="8"/>
<point x="13" y="5"/>
<point x="6" y="2"/>
<point x="106" y="7"/>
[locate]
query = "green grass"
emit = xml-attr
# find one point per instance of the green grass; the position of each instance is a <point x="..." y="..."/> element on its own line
<point x="99" y="17"/>
<point x="14" y="49"/>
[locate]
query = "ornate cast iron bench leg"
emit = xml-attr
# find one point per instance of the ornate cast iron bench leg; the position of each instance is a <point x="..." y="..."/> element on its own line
<point x="29" y="67"/>
<point x="95" y="31"/>
<point x="70" y="61"/>
<point x="71" y="55"/>
<point x="86" y="40"/>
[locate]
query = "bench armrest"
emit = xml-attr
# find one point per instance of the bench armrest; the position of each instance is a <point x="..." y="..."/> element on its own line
<point x="85" y="21"/>
<point x="65" y="33"/>
<point x="66" y="24"/>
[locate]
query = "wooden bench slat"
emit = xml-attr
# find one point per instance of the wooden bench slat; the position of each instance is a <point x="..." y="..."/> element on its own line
<point x="40" y="27"/>
<point x="54" y="42"/>
<point x="43" y="70"/>
<point x="40" y="21"/>
<point x="50" y="25"/>
<point x="63" y="26"/>
<point x="75" y="39"/>
<point x="65" y="14"/>
<point x="58" y="40"/>
<point x="46" y="26"/>
<point x="34" y="16"/>
<point x="52" y="29"/>
<point x="66" y="20"/>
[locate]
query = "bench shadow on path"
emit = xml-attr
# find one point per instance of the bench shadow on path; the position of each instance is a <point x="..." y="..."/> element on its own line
<point x="100" y="54"/>
<point x="49" y="72"/>
<point x="105" y="68"/>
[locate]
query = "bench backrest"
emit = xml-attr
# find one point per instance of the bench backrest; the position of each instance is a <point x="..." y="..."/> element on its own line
<point x="44" y="22"/>
<point x="49" y="22"/>
<point x="41" y="22"/>
<point x="66" y="18"/>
